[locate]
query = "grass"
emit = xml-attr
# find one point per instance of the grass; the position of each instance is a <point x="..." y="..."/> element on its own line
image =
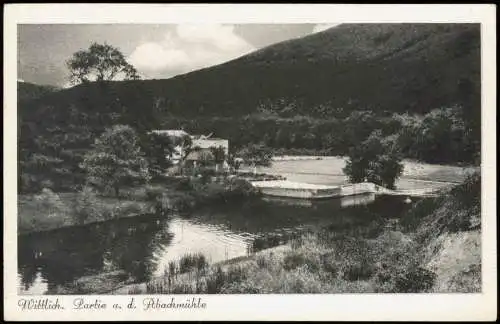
<point x="48" y="210"/>
<point x="191" y="274"/>
<point x="317" y="265"/>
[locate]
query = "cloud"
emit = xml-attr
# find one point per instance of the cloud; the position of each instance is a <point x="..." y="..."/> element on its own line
<point x="321" y="27"/>
<point x="188" y="48"/>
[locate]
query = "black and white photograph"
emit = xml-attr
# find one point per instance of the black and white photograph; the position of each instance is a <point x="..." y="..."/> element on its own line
<point x="199" y="158"/>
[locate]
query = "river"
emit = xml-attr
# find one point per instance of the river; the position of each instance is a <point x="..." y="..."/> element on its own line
<point x="142" y="246"/>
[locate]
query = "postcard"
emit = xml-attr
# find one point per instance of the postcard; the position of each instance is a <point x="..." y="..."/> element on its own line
<point x="249" y="162"/>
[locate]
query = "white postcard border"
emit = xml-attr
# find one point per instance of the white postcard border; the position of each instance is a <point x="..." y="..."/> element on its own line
<point x="263" y="307"/>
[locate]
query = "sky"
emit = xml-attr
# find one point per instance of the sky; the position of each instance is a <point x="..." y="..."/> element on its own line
<point x="156" y="51"/>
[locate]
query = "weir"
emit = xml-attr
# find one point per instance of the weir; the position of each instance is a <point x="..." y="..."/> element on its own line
<point x="289" y="189"/>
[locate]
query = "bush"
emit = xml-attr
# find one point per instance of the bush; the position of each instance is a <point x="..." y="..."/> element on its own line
<point x="215" y="281"/>
<point x="329" y="264"/>
<point x="50" y="202"/>
<point x="86" y="206"/>
<point x="256" y="154"/>
<point x="184" y="185"/>
<point x="206" y="173"/>
<point x="135" y="290"/>
<point x="43" y="211"/>
<point x="468" y="193"/>
<point x="376" y="159"/>
<point x="294" y="260"/>
<point x="153" y="193"/>
<point x="240" y="288"/>
<point x="159" y="197"/>
<point x="262" y="261"/>
<point x="266" y="242"/>
<point x="189" y="262"/>
<point x="414" y="217"/>
<point x="415" y="280"/>
<point x="358" y="270"/>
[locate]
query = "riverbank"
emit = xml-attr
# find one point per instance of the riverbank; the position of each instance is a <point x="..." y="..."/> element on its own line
<point x="49" y="210"/>
<point x="435" y="247"/>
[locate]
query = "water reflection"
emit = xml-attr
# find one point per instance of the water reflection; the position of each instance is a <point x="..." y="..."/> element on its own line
<point x="143" y="246"/>
<point x="64" y="255"/>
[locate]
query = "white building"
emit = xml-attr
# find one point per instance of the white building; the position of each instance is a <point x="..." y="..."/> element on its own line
<point x="198" y="142"/>
<point x="208" y="142"/>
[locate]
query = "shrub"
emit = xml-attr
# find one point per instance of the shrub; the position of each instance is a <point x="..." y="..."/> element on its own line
<point x="329" y="264"/>
<point x="235" y="274"/>
<point x="266" y="242"/>
<point x="86" y="207"/>
<point x="256" y="154"/>
<point x="50" y="202"/>
<point x="135" y="290"/>
<point x="415" y="280"/>
<point x="49" y="184"/>
<point x="215" y="281"/>
<point x="294" y="260"/>
<point x="152" y="193"/>
<point x="189" y="262"/>
<point x="241" y="188"/>
<point x="413" y="218"/>
<point x="240" y="288"/>
<point x="376" y="159"/>
<point x="172" y="267"/>
<point x="182" y="288"/>
<point x="262" y="261"/>
<point x="468" y="193"/>
<point x="296" y="242"/>
<point x="206" y="173"/>
<point x="467" y="281"/>
<point x="222" y="281"/>
<point x="358" y="270"/>
<point x="156" y="287"/>
<point x="184" y="185"/>
<point x="159" y="197"/>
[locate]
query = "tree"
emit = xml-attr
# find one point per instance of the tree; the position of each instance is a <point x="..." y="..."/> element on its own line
<point x="256" y="154"/>
<point x="219" y="155"/>
<point x="158" y="151"/>
<point x="116" y="160"/>
<point x="444" y="134"/>
<point x="99" y="63"/>
<point x="187" y="145"/>
<point x="376" y="159"/>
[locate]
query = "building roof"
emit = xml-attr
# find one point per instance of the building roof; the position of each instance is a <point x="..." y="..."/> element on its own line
<point x="170" y="132"/>
<point x="211" y="142"/>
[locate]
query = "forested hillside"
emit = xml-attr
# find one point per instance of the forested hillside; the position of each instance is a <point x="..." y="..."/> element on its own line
<point x="320" y="93"/>
<point x="28" y="91"/>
